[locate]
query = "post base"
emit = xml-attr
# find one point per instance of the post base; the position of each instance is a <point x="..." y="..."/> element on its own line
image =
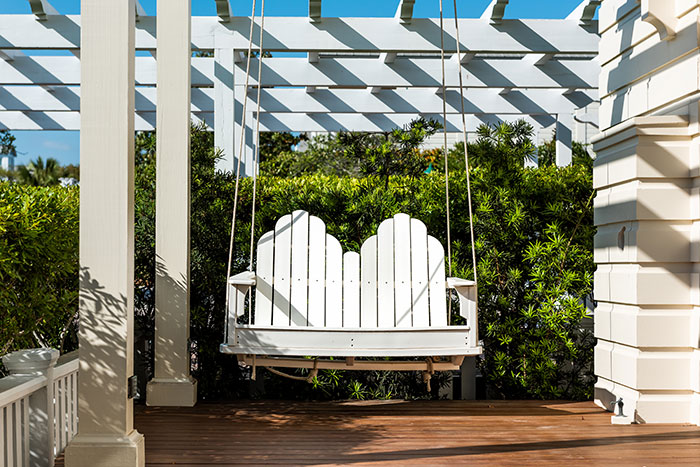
<point x="171" y="392"/>
<point x="106" y="451"/>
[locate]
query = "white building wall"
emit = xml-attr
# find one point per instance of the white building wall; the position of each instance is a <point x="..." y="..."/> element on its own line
<point x="7" y="162"/>
<point x="647" y="210"/>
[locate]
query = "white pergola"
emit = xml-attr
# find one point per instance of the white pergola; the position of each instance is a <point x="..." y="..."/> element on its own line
<point x="357" y="74"/>
<point x="361" y="74"/>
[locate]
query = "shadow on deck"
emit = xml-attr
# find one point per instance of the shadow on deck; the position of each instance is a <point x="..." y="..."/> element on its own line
<point x="402" y="433"/>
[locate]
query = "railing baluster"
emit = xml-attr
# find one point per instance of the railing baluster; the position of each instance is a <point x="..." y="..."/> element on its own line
<point x="2" y="434"/>
<point x="25" y="437"/>
<point x="69" y="390"/>
<point x="16" y="433"/>
<point x="59" y="418"/>
<point x="12" y="450"/>
<point x="74" y="394"/>
<point x="9" y="432"/>
<point x="65" y="423"/>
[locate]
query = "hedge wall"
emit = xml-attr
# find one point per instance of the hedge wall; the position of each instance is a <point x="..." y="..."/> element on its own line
<point x="38" y="267"/>
<point x="534" y="231"/>
<point x="534" y="247"/>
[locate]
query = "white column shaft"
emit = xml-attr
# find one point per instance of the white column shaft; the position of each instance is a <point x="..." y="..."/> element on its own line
<point x="106" y="216"/>
<point x="172" y="359"/>
<point x="106" y="434"/>
<point x="224" y="134"/>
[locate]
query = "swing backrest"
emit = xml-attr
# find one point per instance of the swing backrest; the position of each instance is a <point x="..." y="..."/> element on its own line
<point x="304" y="279"/>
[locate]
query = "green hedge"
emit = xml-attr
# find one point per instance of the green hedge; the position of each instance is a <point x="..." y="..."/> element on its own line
<point x="38" y="267"/>
<point x="534" y="231"/>
<point x="534" y="247"/>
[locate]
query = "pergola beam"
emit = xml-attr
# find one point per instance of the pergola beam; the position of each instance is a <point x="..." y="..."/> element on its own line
<point x="495" y="11"/>
<point x="140" y="12"/>
<point x="404" y="12"/>
<point x="585" y="12"/>
<point x="348" y="72"/>
<point x="42" y="8"/>
<point x="314" y="11"/>
<point x="296" y="100"/>
<point x="224" y="10"/>
<point x="146" y="121"/>
<point x="380" y="123"/>
<point x="423" y="72"/>
<point x="295" y="34"/>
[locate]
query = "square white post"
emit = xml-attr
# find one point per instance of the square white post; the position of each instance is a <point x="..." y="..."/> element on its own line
<point x="172" y="384"/>
<point x="224" y="134"/>
<point x="106" y="435"/>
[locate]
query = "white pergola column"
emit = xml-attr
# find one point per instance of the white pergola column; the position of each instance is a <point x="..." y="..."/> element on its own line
<point x="224" y="131"/>
<point x="172" y="384"/>
<point x="106" y="435"/>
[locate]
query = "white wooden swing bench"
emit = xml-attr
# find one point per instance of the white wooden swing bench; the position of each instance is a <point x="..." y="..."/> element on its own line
<point x="310" y="299"/>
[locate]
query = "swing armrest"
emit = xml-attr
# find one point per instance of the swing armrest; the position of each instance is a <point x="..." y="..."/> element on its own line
<point x="239" y="286"/>
<point x="244" y="278"/>
<point x="456" y="282"/>
<point x="467" y="293"/>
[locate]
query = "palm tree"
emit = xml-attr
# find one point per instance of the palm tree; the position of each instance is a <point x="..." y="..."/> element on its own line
<point x="38" y="173"/>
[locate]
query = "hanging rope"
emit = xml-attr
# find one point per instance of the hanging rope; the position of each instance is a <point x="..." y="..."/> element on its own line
<point x="464" y="137"/>
<point x="447" y="172"/>
<point x="240" y="156"/>
<point x="444" y="132"/>
<point x="256" y="154"/>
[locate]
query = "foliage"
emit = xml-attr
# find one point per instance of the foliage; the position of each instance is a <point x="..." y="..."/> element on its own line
<point x="38" y="267"/>
<point x="547" y="153"/>
<point x="533" y="231"/>
<point x="39" y="173"/>
<point x="7" y="143"/>
<point x="273" y="144"/>
<point x="69" y="171"/>
<point x="533" y="274"/>
<point x="356" y="154"/>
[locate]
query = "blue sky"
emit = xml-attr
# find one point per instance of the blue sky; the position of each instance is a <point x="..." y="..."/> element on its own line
<point x="65" y="145"/>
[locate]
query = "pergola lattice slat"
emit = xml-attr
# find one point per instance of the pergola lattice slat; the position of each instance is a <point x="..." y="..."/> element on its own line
<point x="296" y="100"/>
<point x="326" y="122"/>
<point x="337" y="72"/>
<point x="295" y="34"/>
<point x="423" y="72"/>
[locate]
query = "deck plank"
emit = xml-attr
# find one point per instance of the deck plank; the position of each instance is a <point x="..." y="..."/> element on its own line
<point x="406" y="433"/>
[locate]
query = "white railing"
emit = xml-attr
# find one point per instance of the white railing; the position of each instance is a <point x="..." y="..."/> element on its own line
<point x="65" y="390"/>
<point x="38" y="407"/>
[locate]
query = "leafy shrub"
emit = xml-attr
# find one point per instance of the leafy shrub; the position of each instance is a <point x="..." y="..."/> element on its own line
<point x="534" y="246"/>
<point x="534" y="239"/>
<point x="38" y="267"/>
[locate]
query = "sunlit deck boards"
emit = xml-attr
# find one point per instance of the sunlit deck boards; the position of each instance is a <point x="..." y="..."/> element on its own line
<point x="405" y="433"/>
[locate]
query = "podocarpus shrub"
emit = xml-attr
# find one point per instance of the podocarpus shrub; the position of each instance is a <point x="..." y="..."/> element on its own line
<point x="38" y="267"/>
<point x="534" y="247"/>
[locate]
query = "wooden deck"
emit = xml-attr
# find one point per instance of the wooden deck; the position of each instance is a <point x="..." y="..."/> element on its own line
<point x="407" y="433"/>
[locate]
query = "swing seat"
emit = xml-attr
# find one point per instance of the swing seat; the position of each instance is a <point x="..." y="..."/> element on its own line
<point x="310" y="299"/>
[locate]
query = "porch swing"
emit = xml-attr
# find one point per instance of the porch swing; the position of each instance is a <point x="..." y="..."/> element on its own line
<point x="309" y="305"/>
